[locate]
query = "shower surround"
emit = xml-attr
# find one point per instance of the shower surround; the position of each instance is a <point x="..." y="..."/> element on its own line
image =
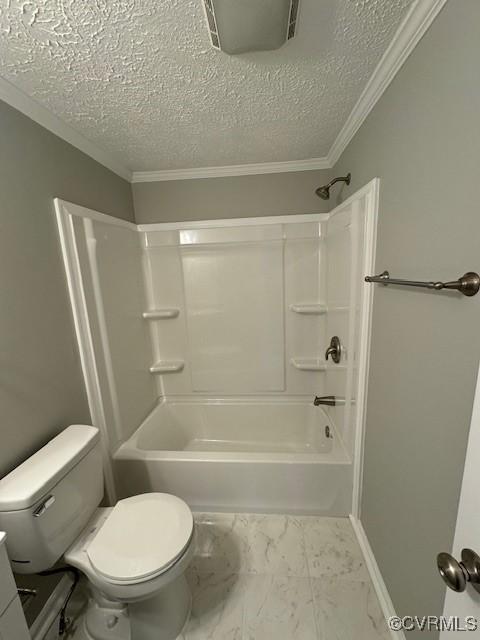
<point x="203" y="347"/>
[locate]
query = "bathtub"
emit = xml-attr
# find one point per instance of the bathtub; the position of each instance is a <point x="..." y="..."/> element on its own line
<point x="228" y="455"/>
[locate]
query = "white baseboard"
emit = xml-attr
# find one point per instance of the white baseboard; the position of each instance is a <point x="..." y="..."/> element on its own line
<point x="383" y="596"/>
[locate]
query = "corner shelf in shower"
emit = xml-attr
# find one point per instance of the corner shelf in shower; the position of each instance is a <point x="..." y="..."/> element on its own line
<point x="167" y="366"/>
<point x="315" y="308"/>
<point x="309" y="364"/>
<point x="159" y="314"/>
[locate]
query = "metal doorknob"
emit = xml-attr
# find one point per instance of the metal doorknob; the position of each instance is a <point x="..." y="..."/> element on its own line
<point x="456" y="574"/>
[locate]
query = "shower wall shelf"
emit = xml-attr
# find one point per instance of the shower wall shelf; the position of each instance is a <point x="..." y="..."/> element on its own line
<point x="161" y="314"/>
<point x="167" y="366"/>
<point x="314" y="308"/>
<point x="309" y="364"/>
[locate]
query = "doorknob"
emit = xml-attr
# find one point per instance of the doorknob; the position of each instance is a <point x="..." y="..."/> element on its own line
<point x="456" y="574"/>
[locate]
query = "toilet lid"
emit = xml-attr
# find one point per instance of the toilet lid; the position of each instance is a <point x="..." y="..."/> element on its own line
<point x="142" y="535"/>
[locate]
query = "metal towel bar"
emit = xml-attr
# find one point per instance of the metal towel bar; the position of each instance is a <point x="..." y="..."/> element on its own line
<point x="468" y="284"/>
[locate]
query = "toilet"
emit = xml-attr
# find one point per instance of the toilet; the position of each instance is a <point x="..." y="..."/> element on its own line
<point x="134" y="555"/>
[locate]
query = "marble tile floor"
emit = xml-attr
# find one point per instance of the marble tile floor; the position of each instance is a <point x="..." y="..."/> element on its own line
<point x="262" y="577"/>
<point x="257" y="577"/>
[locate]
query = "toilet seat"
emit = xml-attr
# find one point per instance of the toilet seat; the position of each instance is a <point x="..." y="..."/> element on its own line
<point x="142" y="537"/>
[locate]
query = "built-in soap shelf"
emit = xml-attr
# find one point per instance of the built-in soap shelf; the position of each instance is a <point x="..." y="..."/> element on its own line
<point x="159" y="314"/>
<point x="311" y="308"/>
<point x="309" y="364"/>
<point x="167" y="366"/>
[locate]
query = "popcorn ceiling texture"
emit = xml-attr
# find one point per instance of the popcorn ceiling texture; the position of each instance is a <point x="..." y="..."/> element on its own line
<point x="140" y="79"/>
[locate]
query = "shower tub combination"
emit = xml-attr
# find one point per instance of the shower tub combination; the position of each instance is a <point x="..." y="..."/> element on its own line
<point x="203" y="347"/>
<point x="231" y="455"/>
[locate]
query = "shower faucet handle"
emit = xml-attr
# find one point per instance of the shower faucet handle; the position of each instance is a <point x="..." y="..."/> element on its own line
<point x="334" y="350"/>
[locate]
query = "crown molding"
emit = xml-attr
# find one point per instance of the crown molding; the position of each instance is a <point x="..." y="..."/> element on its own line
<point x="16" y="98"/>
<point x="231" y="170"/>
<point x="418" y="19"/>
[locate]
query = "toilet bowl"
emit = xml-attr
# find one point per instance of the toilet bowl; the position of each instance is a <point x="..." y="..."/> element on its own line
<point x="136" y="554"/>
<point x="133" y="555"/>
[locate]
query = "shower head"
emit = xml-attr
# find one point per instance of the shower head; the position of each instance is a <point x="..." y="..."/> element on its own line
<point x="324" y="192"/>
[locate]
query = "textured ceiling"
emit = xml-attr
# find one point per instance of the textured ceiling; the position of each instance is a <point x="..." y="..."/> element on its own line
<point x="140" y="79"/>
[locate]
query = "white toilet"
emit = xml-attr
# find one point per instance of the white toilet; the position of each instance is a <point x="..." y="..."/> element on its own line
<point x="134" y="555"/>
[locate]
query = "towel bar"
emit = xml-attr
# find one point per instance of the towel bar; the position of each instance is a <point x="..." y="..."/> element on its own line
<point x="468" y="284"/>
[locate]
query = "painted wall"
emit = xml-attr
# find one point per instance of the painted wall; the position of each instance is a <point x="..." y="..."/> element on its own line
<point x="234" y="197"/>
<point x="423" y="140"/>
<point x="41" y="384"/>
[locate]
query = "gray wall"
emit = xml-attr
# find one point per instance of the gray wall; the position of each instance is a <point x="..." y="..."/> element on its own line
<point x="423" y="140"/>
<point x="236" y="197"/>
<point x="41" y="385"/>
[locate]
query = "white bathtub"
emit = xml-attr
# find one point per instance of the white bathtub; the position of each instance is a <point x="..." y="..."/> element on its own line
<point x="230" y="455"/>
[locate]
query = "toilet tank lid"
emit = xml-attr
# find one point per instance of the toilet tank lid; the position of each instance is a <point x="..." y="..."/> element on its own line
<point x="30" y="481"/>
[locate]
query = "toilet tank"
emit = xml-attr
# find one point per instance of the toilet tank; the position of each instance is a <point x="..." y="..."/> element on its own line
<point x="47" y="501"/>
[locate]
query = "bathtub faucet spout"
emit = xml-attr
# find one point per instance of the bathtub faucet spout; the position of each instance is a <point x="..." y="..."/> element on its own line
<point x="328" y="400"/>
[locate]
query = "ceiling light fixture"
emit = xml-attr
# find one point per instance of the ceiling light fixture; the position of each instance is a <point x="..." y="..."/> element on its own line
<point x="238" y="26"/>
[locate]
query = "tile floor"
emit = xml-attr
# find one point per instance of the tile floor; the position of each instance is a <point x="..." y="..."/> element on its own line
<point x="274" y="577"/>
